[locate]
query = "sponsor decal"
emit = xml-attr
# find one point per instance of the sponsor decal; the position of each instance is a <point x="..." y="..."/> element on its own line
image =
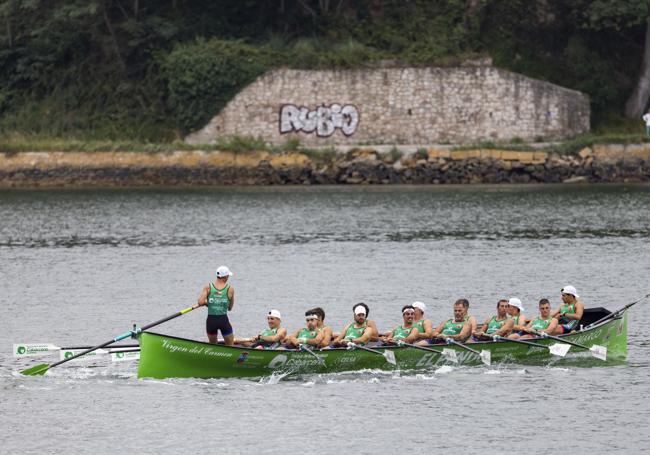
<point x="21" y="350"/>
<point x="242" y="358"/>
<point x="278" y="361"/>
<point x="205" y="351"/>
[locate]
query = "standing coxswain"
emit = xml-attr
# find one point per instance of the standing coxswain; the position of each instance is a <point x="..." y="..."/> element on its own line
<point x="219" y="297"/>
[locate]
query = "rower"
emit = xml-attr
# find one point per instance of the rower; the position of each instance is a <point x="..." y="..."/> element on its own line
<point x="516" y="313"/>
<point x="543" y="323"/>
<point x="269" y="338"/>
<point x="423" y="325"/>
<point x="310" y="335"/>
<point x="467" y="316"/>
<point x="499" y="325"/>
<point x="357" y="332"/>
<point x="325" y="329"/>
<point x="219" y="298"/>
<point x="570" y="312"/>
<point x="406" y="332"/>
<point x="457" y="328"/>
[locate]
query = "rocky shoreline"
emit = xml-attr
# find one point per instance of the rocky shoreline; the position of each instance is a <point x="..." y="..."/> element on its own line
<point x="600" y="163"/>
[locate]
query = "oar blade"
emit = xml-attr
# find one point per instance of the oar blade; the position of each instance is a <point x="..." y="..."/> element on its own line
<point x="390" y="357"/>
<point x="37" y="370"/>
<point x="600" y="352"/>
<point x="33" y="349"/>
<point x="450" y="355"/>
<point x="559" y="349"/>
<point x="125" y="356"/>
<point x="486" y="357"/>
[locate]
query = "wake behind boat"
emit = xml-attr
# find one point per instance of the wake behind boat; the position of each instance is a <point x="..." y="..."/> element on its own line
<point x="164" y="356"/>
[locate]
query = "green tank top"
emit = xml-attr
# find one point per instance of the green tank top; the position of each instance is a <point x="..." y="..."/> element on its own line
<point x="306" y="334"/>
<point x="269" y="332"/>
<point x="494" y="325"/>
<point x="355" y="332"/>
<point x="540" y="324"/>
<point x="516" y="319"/>
<point x="419" y="325"/>
<point x="453" y="328"/>
<point x="568" y="309"/>
<point x="401" y="332"/>
<point x="218" y="300"/>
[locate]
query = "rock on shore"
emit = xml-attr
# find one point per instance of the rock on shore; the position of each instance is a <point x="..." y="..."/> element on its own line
<point x="601" y="163"/>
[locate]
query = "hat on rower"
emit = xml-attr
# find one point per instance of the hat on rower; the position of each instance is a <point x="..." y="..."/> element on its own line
<point x="275" y="314"/>
<point x="515" y="302"/>
<point x="570" y="290"/>
<point x="223" y="271"/>
<point x="421" y="306"/>
<point x="311" y="316"/>
<point x="359" y="309"/>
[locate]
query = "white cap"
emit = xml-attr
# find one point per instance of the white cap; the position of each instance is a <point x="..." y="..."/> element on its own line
<point x="515" y="302"/>
<point x="223" y="271"/>
<point x="359" y="309"/>
<point x="421" y="306"/>
<point x="570" y="290"/>
<point x="275" y="314"/>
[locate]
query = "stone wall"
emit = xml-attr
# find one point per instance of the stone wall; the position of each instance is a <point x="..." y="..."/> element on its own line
<point x="598" y="164"/>
<point x="399" y="106"/>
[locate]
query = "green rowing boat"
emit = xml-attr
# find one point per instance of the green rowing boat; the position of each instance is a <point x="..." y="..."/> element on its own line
<point x="164" y="356"/>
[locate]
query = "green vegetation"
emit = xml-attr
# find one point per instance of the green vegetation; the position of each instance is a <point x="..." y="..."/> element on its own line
<point x="141" y="72"/>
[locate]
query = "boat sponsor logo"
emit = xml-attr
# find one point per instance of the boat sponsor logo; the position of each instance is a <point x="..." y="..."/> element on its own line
<point x="22" y="350"/>
<point x="194" y="350"/>
<point x="242" y="358"/>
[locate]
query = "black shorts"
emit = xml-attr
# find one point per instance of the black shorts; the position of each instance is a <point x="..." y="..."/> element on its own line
<point x="216" y="323"/>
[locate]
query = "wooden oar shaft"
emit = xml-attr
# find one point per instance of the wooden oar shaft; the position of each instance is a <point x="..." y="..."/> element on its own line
<point x="423" y="348"/>
<point x="562" y="340"/>
<point x="530" y="343"/>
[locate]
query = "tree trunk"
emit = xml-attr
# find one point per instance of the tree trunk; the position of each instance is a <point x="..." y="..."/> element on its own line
<point x="638" y="100"/>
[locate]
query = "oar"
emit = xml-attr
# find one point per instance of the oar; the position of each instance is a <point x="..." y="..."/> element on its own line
<point x="559" y="349"/>
<point x="64" y="354"/>
<point x="36" y="349"/>
<point x="484" y="355"/>
<point x="596" y="350"/>
<point x="448" y="354"/>
<point x="43" y="367"/>
<point x="388" y="355"/>
<point x="306" y="349"/>
<point x="617" y="312"/>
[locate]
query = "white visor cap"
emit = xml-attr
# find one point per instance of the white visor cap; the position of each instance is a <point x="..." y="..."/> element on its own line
<point x="419" y="305"/>
<point x="570" y="290"/>
<point x="359" y="310"/>
<point x="515" y="302"/>
<point x="275" y="314"/>
<point x="223" y="271"/>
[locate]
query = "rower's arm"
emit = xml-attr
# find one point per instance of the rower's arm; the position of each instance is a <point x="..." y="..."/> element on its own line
<point x="317" y="340"/>
<point x="484" y="327"/>
<point x="506" y="329"/>
<point x="327" y="337"/>
<point x="551" y="327"/>
<point x="520" y="327"/>
<point x="580" y="309"/>
<point x="203" y="297"/>
<point x="374" y="336"/>
<point x="556" y="313"/>
<point x="339" y="338"/>
<point x="365" y="337"/>
<point x="438" y="330"/>
<point x="428" y="329"/>
<point x="413" y="336"/>
<point x="231" y="298"/>
<point x="464" y="333"/>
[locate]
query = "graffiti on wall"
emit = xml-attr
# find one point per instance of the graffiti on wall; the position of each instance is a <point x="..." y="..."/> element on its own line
<point x="323" y="120"/>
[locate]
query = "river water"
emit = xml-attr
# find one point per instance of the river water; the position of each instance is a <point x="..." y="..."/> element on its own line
<point x="79" y="267"/>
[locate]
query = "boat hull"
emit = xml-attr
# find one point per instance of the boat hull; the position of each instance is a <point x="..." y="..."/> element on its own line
<point x="165" y="356"/>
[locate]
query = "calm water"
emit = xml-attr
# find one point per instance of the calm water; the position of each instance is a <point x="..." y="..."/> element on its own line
<point x="79" y="267"/>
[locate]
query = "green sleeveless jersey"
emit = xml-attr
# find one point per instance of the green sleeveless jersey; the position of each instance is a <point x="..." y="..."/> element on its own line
<point x="218" y="300"/>
<point x="269" y="332"/>
<point x="401" y="332"/>
<point x="419" y="325"/>
<point x="568" y="309"/>
<point x="306" y="334"/>
<point x="516" y="319"/>
<point x="494" y="325"/>
<point x="354" y="332"/>
<point x="540" y="324"/>
<point x="453" y="328"/>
